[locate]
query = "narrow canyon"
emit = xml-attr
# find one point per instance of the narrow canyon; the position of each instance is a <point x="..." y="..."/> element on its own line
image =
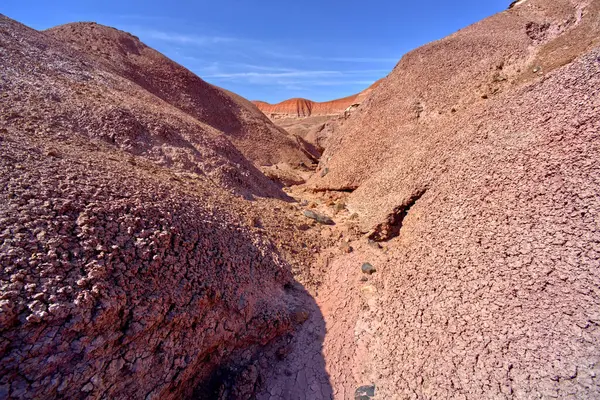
<point x="434" y="236"/>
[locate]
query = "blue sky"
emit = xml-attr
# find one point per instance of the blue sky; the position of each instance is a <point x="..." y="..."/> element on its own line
<point x="273" y="50"/>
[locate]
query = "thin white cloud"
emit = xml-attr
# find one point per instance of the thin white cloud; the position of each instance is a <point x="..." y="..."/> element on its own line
<point x="240" y="62"/>
<point x="146" y="18"/>
<point x="319" y="82"/>
<point x="183" y="39"/>
<point x="297" y="56"/>
<point x="294" y="74"/>
<point x="291" y="74"/>
<point x="338" y="83"/>
<point x="362" y="59"/>
<point x="251" y="46"/>
<point x="262" y="67"/>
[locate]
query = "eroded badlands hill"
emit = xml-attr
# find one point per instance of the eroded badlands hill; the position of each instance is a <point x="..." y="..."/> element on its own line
<point x="477" y="162"/>
<point x="124" y="55"/>
<point x="307" y="119"/>
<point x="458" y="257"/>
<point x="131" y="266"/>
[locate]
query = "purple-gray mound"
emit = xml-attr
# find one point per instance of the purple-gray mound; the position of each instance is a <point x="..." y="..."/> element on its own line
<point x="116" y="283"/>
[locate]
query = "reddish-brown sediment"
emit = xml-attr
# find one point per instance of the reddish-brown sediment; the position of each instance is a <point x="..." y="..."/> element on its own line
<point x="432" y="88"/>
<point x="307" y="119"/>
<point x="121" y="283"/>
<point x="131" y="265"/>
<point x="468" y="179"/>
<point x="124" y="55"/>
<point x="477" y="159"/>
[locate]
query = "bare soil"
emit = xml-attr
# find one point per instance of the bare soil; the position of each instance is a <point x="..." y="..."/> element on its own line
<point x="150" y="250"/>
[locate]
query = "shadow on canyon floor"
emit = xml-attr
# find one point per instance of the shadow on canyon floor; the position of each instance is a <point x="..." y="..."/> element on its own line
<point x="292" y="367"/>
<point x="297" y="370"/>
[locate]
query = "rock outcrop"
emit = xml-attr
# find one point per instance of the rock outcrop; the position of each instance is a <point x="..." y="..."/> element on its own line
<point x="120" y="283"/>
<point x="308" y="119"/>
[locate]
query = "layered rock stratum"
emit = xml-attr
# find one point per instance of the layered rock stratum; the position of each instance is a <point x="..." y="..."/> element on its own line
<point x="307" y="119"/>
<point x="300" y="108"/>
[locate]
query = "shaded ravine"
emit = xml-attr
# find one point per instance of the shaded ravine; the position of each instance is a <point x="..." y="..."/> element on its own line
<point x="328" y="355"/>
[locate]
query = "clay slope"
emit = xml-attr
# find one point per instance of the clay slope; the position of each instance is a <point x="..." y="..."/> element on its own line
<point x="94" y="98"/>
<point x="125" y="55"/>
<point x="131" y="267"/>
<point x="477" y="161"/>
<point x="433" y="85"/>
<point x="467" y="181"/>
<point x="305" y="108"/>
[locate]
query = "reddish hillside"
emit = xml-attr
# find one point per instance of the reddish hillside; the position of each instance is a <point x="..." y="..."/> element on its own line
<point x="131" y="266"/>
<point x="477" y="162"/>
<point x="305" y="108"/>
<point x="449" y="240"/>
<point x="124" y="54"/>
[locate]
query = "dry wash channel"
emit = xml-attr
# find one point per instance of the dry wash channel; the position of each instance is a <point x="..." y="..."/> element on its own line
<point x="145" y="254"/>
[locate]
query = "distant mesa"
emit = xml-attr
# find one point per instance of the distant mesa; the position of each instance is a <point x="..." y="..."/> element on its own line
<point x="301" y="108"/>
<point x="308" y="119"/>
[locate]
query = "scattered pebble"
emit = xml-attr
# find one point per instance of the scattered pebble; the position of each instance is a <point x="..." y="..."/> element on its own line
<point x="364" y="392"/>
<point x="300" y="316"/>
<point x="346" y="248"/>
<point x="304" y="227"/>
<point x="53" y="153"/>
<point x="322" y="219"/>
<point x="368" y="289"/>
<point x="374" y="244"/>
<point x="368" y="269"/>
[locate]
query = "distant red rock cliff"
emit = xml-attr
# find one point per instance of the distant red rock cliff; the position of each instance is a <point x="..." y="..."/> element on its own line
<point x="298" y="107"/>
